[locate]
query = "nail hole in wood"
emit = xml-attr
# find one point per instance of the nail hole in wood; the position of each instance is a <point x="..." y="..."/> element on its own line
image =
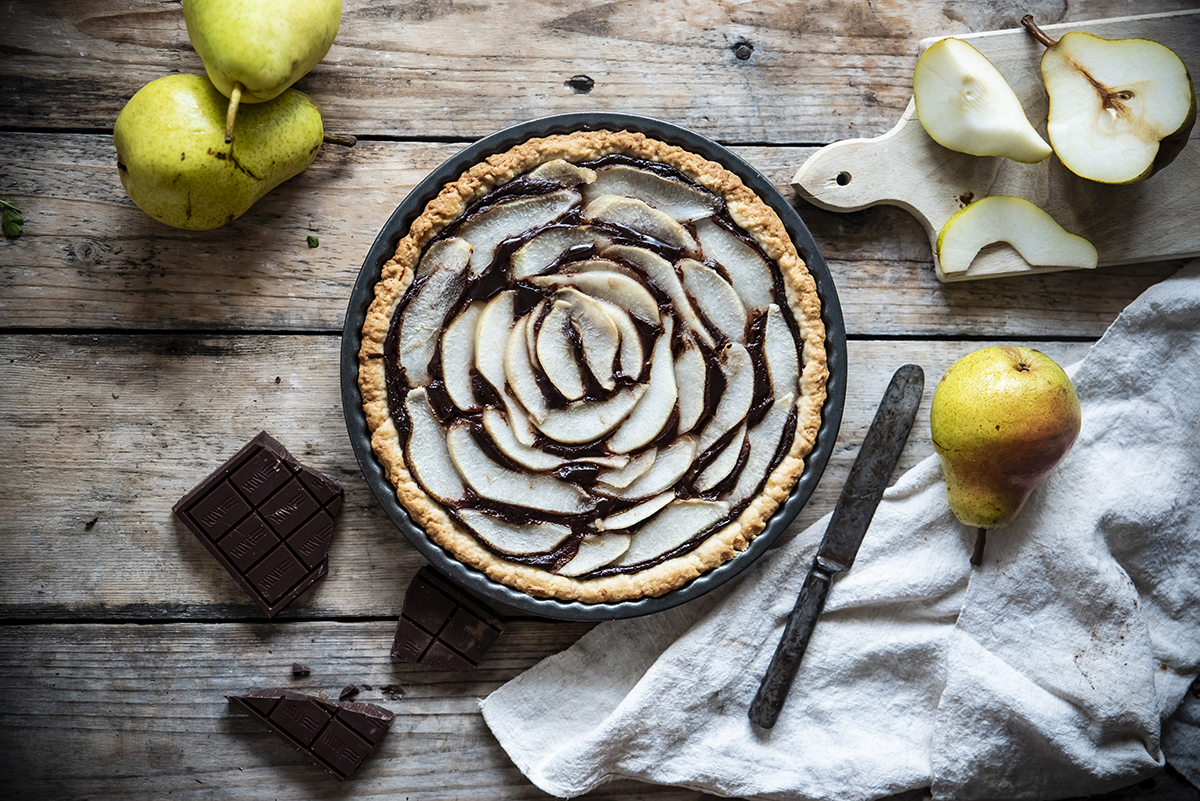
<point x="743" y="50"/>
<point x="579" y="84"/>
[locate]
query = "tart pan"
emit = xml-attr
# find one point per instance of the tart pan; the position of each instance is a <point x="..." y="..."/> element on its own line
<point x="507" y="599"/>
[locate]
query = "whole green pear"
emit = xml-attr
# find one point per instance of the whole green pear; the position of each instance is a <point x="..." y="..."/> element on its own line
<point x="176" y="166"/>
<point x="255" y="49"/>
<point x="1002" y="418"/>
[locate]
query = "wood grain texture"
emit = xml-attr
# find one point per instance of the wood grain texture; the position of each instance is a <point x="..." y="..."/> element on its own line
<point x="1151" y="220"/>
<point x="137" y="421"/>
<point x="91" y="259"/>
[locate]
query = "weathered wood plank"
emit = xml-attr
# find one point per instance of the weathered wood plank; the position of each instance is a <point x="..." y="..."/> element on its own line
<point x="104" y="433"/>
<point x="91" y="259"/>
<point x="444" y="69"/>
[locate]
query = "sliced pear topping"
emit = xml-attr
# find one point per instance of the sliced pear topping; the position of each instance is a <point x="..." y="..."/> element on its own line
<point x="458" y="356"/>
<point x="738" y="369"/>
<point x="452" y="254"/>
<point x="636" y="215"/>
<point x="503" y="536"/>
<point x="965" y="104"/>
<point x="614" y="287"/>
<point x="635" y="514"/>
<point x="491" y="332"/>
<point x="1002" y="218"/>
<point x="518" y="369"/>
<point x="675" y="525"/>
<point x="564" y="172"/>
<point x="748" y="271"/>
<point x="720" y="468"/>
<point x="691" y="379"/>
<point x="496" y="483"/>
<point x="652" y="412"/>
<point x="635" y="468"/>
<point x="670" y="465"/>
<point x="544" y="248"/>
<point x="675" y="198"/>
<point x="422" y="320"/>
<point x="500" y="431"/>
<point x="630" y="353"/>
<point x="764" y="441"/>
<point x="662" y="273"/>
<point x="556" y="352"/>
<point x="426" y="452"/>
<point x="584" y="421"/>
<point x="598" y="335"/>
<point x="594" y="553"/>
<point x="779" y="351"/>
<point x="509" y="218"/>
<point x="715" y="299"/>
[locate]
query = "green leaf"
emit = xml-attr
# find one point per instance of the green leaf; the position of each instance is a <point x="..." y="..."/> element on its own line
<point x="14" y="223"/>
<point x="313" y="242"/>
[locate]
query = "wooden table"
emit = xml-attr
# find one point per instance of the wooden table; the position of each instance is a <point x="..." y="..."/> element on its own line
<point x="137" y="357"/>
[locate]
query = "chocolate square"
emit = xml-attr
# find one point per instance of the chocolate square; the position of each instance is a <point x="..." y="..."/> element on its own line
<point x="341" y="748"/>
<point x="311" y="541"/>
<point x="300" y="718"/>
<point x="262" y="474"/>
<point x="289" y="507"/>
<point x="219" y="511"/>
<point x="443" y="627"/>
<point x="247" y="543"/>
<point x="276" y="574"/>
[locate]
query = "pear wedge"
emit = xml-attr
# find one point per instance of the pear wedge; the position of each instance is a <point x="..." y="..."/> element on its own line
<point x="965" y="105"/>
<point x="1003" y="218"/>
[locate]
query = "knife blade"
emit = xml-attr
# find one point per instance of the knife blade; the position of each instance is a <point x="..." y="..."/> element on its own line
<point x="851" y="517"/>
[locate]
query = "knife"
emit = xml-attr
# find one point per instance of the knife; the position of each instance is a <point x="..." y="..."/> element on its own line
<point x="852" y="515"/>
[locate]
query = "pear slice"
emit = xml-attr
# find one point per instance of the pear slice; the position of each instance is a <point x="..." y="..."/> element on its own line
<point x="765" y="439"/>
<point x="458" y="356"/>
<point x="720" y="468"/>
<point x="635" y="514"/>
<point x="780" y="354"/>
<point x="652" y="412"/>
<point x="614" y="287"/>
<point x="715" y="299"/>
<point x="965" y="105"/>
<point x="749" y="273"/>
<point x="588" y="420"/>
<point x="662" y="273"/>
<point x="595" y="552"/>
<point x="496" y="483"/>
<point x="1003" y="218"/>
<point x="563" y="172"/>
<point x="509" y="218"/>
<point x="426" y="453"/>
<point x="630" y="354"/>
<point x="491" y="332"/>
<point x="668" y="467"/>
<point x="500" y="535"/>
<point x="425" y="313"/>
<point x="556" y="353"/>
<point x="519" y="370"/>
<point x="691" y="381"/>
<point x="499" y="430"/>
<point x="675" y="525"/>
<point x="545" y="247"/>
<point x="621" y="477"/>
<point x="637" y="216"/>
<point x="738" y="369"/>
<point x="453" y="254"/>
<point x="598" y="335"/>
<point x="1120" y="109"/>
<point x="674" y="198"/>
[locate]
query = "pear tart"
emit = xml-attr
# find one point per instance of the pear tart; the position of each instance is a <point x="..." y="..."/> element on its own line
<point x="594" y="367"/>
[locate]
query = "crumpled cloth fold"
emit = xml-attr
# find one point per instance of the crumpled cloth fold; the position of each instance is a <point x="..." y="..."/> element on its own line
<point x="1046" y="673"/>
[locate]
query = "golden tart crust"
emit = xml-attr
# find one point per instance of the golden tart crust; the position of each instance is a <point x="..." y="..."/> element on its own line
<point x="749" y="212"/>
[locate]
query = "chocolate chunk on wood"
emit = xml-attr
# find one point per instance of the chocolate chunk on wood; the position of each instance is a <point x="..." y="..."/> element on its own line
<point x="349" y="691"/>
<point x="267" y="519"/>
<point x="443" y="627"/>
<point x="335" y="736"/>
<point x="300" y="670"/>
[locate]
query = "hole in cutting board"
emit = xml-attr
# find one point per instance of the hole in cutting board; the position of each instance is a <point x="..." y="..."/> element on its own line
<point x="842" y="178"/>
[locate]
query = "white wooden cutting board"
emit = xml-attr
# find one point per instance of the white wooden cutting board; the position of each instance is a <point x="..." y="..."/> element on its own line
<point x="1152" y="220"/>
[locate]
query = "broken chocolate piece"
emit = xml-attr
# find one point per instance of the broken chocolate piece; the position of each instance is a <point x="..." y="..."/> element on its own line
<point x="443" y="627"/>
<point x="349" y="691"/>
<point x="300" y="670"/>
<point x="335" y="736"/>
<point x="267" y="519"/>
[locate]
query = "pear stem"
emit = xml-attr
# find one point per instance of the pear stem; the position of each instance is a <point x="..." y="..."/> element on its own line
<point x="980" y="543"/>
<point x="345" y="140"/>
<point x="1037" y="33"/>
<point x="235" y="98"/>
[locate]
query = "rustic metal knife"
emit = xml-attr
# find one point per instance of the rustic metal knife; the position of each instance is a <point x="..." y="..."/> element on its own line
<point x="856" y="505"/>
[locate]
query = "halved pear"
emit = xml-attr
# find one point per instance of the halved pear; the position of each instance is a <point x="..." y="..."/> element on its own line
<point x="1120" y="109"/>
<point x="653" y="410"/>
<point x="1003" y="218"/>
<point x="426" y="452"/>
<point x="509" y="218"/>
<point x="634" y="514"/>
<point x="637" y="216"/>
<point x="595" y="552"/>
<point x="965" y="104"/>
<point x="748" y="272"/>
<point x="674" y="198"/>
<point x="458" y="356"/>
<point x="715" y="299"/>
<point x="675" y="525"/>
<point x="500" y="535"/>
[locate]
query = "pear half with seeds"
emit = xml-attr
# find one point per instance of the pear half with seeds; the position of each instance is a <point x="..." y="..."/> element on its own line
<point x="1003" y="218"/>
<point x="965" y="105"/>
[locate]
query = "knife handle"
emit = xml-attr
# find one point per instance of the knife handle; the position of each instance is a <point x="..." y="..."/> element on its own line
<point x="776" y="682"/>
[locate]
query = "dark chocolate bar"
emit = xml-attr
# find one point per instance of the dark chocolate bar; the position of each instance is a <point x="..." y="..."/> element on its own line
<point x="267" y="519"/>
<point x="336" y="736"/>
<point x="443" y="627"/>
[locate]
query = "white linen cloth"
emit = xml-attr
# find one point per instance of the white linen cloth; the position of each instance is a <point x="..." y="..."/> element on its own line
<point x="1046" y="673"/>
